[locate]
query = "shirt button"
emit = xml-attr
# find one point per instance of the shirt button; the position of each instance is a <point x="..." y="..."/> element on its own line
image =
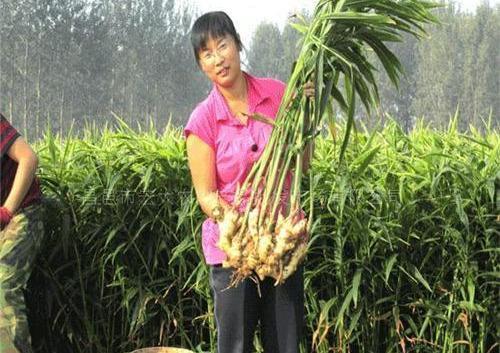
<point x="255" y="147"/>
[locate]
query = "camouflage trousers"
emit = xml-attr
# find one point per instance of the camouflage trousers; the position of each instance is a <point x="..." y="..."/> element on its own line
<point x="19" y="244"/>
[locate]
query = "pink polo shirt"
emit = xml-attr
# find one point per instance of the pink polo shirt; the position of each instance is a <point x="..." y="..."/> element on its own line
<point x="237" y="146"/>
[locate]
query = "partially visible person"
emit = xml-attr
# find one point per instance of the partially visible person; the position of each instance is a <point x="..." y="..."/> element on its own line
<point x="21" y="232"/>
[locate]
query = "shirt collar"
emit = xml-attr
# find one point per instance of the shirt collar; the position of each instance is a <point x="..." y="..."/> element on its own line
<point x="256" y="95"/>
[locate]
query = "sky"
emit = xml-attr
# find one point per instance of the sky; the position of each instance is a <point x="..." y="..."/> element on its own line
<point x="247" y="14"/>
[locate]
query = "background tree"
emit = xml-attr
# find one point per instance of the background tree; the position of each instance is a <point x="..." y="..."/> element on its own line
<point x="272" y="52"/>
<point x="267" y="54"/>
<point x="453" y="66"/>
<point x="66" y="63"/>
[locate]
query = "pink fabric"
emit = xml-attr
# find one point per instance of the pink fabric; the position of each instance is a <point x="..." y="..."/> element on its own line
<point x="236" y="146"/>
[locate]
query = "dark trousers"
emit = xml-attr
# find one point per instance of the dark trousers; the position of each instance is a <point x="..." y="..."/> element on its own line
<point x="280" y="311"/>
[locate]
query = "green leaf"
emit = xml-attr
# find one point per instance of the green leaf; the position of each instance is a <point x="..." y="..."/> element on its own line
<point x="365" y="159"/>
<point x="420" y="278"/>
<point x="460" y="210"/>
<point x="355" y="286"/>
<point x="388" y="267"/>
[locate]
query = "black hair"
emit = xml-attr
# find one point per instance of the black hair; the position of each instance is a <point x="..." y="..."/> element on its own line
<point x="214" y="24"/>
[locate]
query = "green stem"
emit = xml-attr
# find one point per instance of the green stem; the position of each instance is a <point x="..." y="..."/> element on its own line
<point x="295" y="197"/>
<point x="289" y="154"/>
<point x="257" y="170"/>
<point x="277" y="170"/>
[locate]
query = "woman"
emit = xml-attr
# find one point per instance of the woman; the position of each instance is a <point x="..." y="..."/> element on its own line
<point x="222" y="144"/>
<point x="21" y="231"/>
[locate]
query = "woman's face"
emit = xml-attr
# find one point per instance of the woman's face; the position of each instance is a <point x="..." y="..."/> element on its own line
<point x="220" y="60"/>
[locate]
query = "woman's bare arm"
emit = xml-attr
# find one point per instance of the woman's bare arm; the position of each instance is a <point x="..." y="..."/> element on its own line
<point x="201" y="160"/>
<point x="27" y="161"/>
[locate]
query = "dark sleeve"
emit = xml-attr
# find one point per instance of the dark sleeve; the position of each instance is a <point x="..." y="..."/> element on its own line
<point x="8" y="134"/>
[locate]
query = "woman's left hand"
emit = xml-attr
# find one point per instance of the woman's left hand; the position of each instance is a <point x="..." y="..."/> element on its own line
<point x="309" y="89"/>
